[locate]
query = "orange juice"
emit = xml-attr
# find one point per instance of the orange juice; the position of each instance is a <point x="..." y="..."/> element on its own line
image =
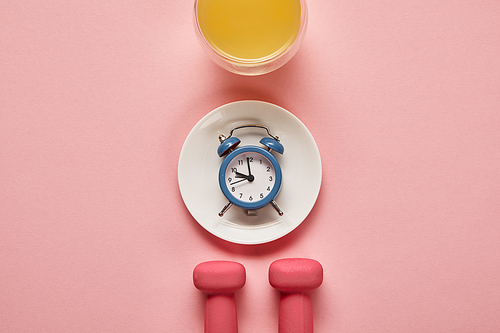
<point x="249" y="29"/>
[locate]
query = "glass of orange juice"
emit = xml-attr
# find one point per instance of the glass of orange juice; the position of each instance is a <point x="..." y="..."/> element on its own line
<point x="250" y="37"/>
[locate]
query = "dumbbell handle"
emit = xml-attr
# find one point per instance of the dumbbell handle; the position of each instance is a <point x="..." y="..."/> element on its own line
<point x="220" y="314"/>
<point x="295" y="313"/>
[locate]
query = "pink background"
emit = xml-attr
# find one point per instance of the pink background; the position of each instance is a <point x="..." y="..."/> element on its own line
<point x="97" y="97"/>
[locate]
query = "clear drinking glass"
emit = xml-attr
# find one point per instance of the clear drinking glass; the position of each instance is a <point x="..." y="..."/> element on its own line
<point x="250" y="37"/>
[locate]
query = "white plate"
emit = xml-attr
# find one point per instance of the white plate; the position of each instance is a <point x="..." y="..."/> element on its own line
<point x="199" y="167"/>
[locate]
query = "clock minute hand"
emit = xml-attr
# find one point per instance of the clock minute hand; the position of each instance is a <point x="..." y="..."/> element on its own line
<point x="248" y="163"/>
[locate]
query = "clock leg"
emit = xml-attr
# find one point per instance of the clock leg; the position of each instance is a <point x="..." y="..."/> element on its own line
<point x="252" y="212"/>
<point x="275" y="206"/>
<point x="225" y="208"/>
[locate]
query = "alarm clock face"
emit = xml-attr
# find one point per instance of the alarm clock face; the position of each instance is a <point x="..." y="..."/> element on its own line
<point x="250" y="177"/>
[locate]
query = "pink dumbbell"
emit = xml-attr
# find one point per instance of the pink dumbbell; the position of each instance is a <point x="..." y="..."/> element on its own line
<point x="295" y="278"/>
<point x="220" y="280"/>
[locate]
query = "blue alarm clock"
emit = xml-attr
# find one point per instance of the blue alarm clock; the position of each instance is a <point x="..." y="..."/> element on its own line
<point x="250" y="176"/>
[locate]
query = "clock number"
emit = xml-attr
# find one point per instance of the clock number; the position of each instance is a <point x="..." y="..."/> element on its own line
<point x="261" y="195"/>
<point x="269" y="188"/>
<point x="233" y="189"/>
<point x="229" y="179"/>
<point x="260" y="161"/>
<point x="268" y="169"/>
<point x="250" y="159"/>
<point x="250" y="198"/>
<point x="270" y="178"/>
<point x="241" y="195"/>
<point x="233" y="170"/>
<point x="240" y="162"/>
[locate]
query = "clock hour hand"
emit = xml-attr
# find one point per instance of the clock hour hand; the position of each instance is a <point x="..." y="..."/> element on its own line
<point x="240" y="175"/>
<point x="250" y="178"/>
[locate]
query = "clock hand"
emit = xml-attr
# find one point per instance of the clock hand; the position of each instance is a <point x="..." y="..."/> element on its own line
<point x="236" y="182"/>
<point x="240" y="175"/>
<point x="250" y="178"/>
<point x="248" y="163"/>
